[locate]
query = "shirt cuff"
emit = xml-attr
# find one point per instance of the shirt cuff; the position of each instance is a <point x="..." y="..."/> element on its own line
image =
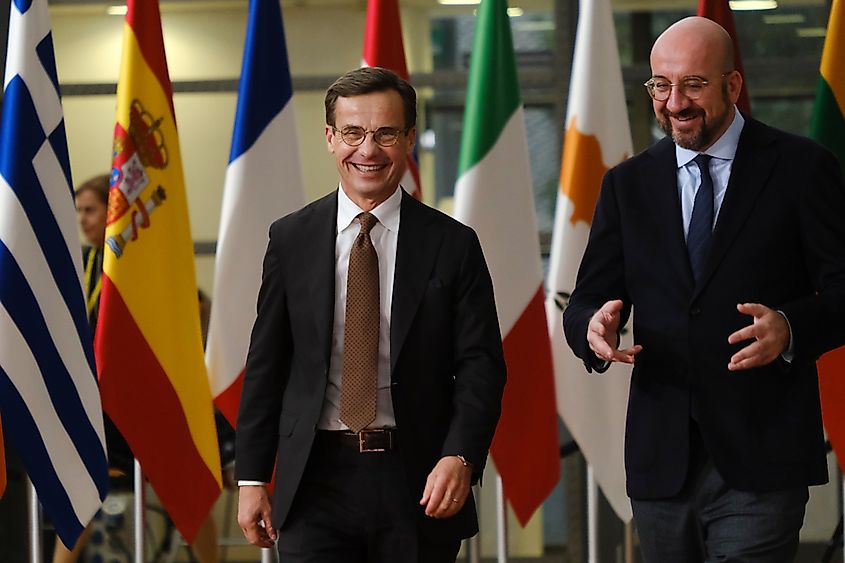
<point x="243" y="483"/>
<point x="789" y="354"/>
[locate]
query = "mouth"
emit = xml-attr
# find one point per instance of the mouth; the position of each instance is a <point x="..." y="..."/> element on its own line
<point x="368" y="168"/>
<point x="684" y="116"/>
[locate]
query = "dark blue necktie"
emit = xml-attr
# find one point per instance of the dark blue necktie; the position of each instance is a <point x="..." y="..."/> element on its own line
<point x="701" y="222"/>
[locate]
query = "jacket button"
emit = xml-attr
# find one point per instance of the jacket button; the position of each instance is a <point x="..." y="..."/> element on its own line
<point x="695" y="311"/>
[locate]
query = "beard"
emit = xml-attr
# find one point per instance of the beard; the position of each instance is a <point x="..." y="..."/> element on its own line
<point x="701" y="137"/>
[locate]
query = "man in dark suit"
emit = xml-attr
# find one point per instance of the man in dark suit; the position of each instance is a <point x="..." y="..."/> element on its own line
<point x="727" y="239"/>
<point x="392" y="484"/>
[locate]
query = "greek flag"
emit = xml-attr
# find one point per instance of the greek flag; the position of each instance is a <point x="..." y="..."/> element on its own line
<point x="49" y="400"/>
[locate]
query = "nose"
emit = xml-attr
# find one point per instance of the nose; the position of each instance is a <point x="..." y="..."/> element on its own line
<point x="677" y="100"/>
<point x="369" y="146"/>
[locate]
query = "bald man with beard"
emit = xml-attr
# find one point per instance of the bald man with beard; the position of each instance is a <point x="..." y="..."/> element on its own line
<point x="726" y="239"/>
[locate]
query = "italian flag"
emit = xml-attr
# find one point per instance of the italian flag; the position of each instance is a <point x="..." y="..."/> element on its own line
<point x="598" y="136"/>
<point x="148" y="346"/>
<point x="494" y="196"/>
<point x="828" y="127"/>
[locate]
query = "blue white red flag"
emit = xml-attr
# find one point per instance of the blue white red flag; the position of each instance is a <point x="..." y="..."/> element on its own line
<point x="263" y="183"/>
<point x="49" y="398"/>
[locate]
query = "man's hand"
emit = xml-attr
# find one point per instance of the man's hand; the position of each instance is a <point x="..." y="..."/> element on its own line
<point x="254" y="515"/>
<point x="770" y="333"/>
<point x="446" y="488"/>
<point x="603" y="335"/>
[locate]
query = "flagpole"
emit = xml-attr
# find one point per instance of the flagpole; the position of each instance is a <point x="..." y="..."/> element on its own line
<point x="267" y="555"/>
<point x="139" y="513"/>
<point x="501" y="522"/>
<point x="35" y="548"/>
<point x="592" y="516"/>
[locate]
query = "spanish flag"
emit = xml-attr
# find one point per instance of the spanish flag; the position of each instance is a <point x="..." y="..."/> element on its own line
<point x="828" y="128"/>
<point x="148" y="345"/>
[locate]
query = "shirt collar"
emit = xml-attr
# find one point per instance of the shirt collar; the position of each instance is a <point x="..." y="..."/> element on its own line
<point x="724" y="147"/>
<point x="387" y="212"/>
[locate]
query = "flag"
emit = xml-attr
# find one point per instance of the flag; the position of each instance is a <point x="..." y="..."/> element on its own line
<point x="148" y="344"/>
<point x="828" y="127"/>
<point x="494" y="195"/>
<point x="48" y="391"/>
<point x="598" y="136"/>
<point x="720" y="12"/>
<point x="263" y="183"/>
<point x="383" y="47"/>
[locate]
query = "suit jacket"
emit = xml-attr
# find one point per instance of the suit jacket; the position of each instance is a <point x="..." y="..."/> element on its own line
<point x="779" y="240"/>
<point x="447" y="366"/>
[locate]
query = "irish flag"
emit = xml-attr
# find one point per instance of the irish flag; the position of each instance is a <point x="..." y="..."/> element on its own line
<point x="148" y="345"/>
<point x="263" y="183"/>
<point x="383" y="47"/>
<point x="494" y="196"/>
<point x="828" y="127"/>
<point x="597" y="137"/>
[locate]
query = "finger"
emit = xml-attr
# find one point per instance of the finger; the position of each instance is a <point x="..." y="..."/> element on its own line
<point x="746" y="358"/>
<point x="753" y="309"/>
<point x="746" y="333"/>
<point x="600" y="348"/>
<point x="436" y="499"/>
<point x="627" y="355"/>
<point x="612" y="307"/>
<point x="429" y="485"/>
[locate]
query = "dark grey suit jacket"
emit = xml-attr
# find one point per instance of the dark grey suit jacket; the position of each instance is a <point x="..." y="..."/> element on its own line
<point x="780" y="241"/>
<point x="447" y="366"/>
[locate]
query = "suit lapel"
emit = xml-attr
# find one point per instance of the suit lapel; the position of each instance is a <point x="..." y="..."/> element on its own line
<point x="750" y="172"/>
<point x="416" y="251"/>
<point x="661" y="181"/>
<point x="319" y="254"/>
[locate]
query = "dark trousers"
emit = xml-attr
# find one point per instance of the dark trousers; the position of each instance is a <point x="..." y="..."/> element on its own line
<point x="710" y="522"/>
<point x="355" y="507"/>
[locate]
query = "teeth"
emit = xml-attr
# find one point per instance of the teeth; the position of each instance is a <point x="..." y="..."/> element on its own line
<point x="368" y="167"/>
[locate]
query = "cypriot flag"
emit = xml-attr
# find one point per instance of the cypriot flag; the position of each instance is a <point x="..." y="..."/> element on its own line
<point x="598" y="136"/>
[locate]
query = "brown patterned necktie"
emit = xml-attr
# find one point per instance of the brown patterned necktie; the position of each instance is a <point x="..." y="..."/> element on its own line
<point x="360" y="334"/>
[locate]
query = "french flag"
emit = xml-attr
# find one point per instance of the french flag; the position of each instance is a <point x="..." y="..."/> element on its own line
<point x="263" y="183"/>
<point x="49" y="399"/>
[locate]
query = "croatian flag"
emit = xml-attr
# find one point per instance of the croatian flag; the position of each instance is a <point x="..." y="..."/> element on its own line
<point x="263" y="183"/>
<point x="49" y="399"/>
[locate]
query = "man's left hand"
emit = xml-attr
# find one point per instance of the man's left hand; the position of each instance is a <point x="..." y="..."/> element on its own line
<point x="446" y="488"/>
<point x="770" y="335"/>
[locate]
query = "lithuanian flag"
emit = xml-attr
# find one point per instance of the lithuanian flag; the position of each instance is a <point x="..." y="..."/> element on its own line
<point x="148" y="345"/>
<point x="828" y="127"/>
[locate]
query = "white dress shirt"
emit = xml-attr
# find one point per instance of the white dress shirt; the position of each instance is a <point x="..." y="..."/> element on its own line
<point x="689" y="176"/>
<point x="384" y="235"/>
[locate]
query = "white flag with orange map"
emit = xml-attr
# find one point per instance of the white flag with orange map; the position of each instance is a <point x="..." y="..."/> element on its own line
<point x="598" y="136"/>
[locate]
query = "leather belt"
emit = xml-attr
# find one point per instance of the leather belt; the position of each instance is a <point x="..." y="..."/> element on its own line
<point x="369" y="440"/>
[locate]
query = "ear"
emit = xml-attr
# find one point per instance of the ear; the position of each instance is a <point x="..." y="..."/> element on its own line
<point x="329" y="139"/>
<point x="734" y="85"/>
<point x="412" y="140"/>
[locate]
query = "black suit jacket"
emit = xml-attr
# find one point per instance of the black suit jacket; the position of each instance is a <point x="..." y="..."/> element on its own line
<point x="780" y="241"/>
<point x="447" y="366"/>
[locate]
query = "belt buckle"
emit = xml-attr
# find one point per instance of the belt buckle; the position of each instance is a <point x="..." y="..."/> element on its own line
<point x="362" y="440"/>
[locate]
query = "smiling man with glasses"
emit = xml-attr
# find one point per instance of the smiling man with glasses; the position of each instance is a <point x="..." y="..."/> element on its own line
<point x="726" y="240"/>
<point x="375" y="372"/>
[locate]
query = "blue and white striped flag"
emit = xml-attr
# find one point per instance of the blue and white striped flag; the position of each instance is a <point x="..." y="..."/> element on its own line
<point x="263" y="183"/>
<point x="49" y="398"/>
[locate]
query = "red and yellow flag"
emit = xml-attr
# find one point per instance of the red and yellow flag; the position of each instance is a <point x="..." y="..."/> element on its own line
<point x="148" y="345"/>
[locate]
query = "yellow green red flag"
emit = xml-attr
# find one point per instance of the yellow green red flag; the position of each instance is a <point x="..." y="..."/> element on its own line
<point x="828" y="128"/>
<point x="148" y="345"/>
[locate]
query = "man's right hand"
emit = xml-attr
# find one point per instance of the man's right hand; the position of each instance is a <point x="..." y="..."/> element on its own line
<point x="254" y="515"/>
<point x="603" y="335"/>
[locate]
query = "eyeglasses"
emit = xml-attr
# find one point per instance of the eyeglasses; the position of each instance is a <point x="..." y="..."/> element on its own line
<point x="383" y="136"/>
<point x="693" y="87"/>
